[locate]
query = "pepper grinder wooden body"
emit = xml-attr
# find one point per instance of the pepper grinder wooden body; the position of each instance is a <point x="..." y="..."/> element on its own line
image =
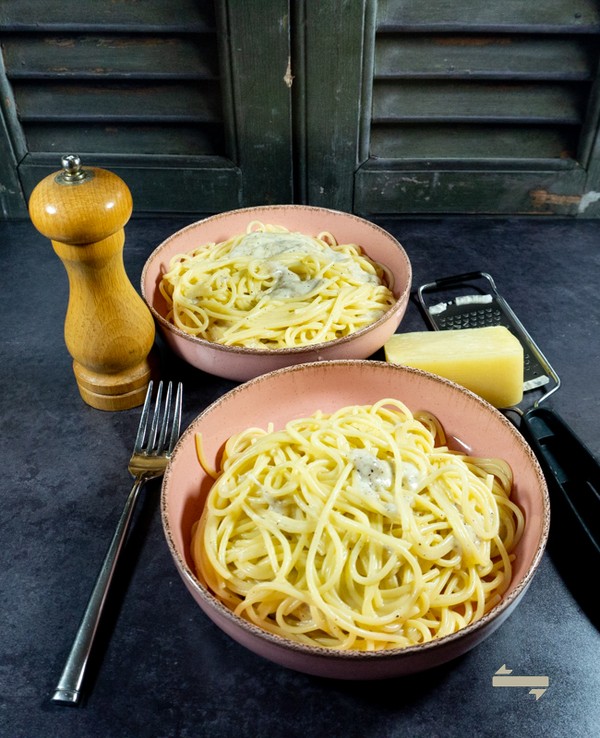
<point x="109" y="330"/>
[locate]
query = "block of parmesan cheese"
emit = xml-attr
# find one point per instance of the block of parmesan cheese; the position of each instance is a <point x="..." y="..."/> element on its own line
<point x="488" y="361"/>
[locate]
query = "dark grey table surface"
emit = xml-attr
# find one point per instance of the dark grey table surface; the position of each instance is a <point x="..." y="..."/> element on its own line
<point x="162" y="668"/>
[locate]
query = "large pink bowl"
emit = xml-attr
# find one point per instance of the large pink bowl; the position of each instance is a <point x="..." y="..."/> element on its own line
<point x="240" y="363"/>
<point x="299" y="391"/>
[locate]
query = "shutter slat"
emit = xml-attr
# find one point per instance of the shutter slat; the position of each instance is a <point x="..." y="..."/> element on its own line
<point x="465" y="143"/>
<point x="515" y="16"/>
<point x="477" y="102"/>
<point x="131" y="16"/>
<point x="485" y="57"/>
<point x="120" y="138"/>
<point x="109" y="56"/>
<point x="55" y="101"/>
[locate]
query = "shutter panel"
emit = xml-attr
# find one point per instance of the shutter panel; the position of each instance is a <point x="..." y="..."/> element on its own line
<point x="480" y="107"/>
<point x="453" y="106"/>
<point x="147" y="90"/>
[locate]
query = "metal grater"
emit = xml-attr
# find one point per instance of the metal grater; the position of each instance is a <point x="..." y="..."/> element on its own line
<point x="472" y="301"/>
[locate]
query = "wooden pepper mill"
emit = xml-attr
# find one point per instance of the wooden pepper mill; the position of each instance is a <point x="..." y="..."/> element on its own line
<point x="109" y="330"/>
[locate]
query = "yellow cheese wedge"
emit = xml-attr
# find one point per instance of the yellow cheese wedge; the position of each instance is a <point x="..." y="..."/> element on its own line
<point x="488" y="361"/>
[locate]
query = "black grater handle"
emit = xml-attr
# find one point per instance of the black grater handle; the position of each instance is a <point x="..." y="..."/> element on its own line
<point x="573" y="476"/>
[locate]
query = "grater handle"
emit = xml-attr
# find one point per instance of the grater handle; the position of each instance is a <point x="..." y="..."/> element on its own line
<point x="573" y="476"/>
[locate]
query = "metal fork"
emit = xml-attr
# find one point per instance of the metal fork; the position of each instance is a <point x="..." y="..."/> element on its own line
<point x="153" y="446"/>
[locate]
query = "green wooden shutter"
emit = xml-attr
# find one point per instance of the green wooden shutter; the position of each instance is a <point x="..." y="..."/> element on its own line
<point x="171" y="96"/>
<point x="463" y="107"/>
<point x="373" y="106"/>
<point x="482" y="107"/>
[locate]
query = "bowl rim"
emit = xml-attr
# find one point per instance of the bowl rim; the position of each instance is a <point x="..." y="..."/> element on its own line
<point x="493" y="616"/>
<point x="398" y="305"/>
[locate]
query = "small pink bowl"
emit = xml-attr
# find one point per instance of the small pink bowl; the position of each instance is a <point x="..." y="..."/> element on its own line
<point x="241" y="363"/>
<point x="299" y="391"/>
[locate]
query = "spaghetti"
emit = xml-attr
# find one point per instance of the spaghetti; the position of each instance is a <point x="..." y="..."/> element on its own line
<point x="270" y="288"/>
<point x="357" y="530"/>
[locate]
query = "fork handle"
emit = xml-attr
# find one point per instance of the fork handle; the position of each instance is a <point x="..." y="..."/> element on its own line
<point x="68" y="689"/>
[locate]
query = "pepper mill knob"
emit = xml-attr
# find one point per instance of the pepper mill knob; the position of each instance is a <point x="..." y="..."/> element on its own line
<point x="109" y="331"/>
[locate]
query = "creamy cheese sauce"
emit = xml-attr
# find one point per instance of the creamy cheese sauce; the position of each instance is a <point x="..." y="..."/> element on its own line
<point x="411" y="476"/>
<point x="289" y="284"/>
<point x="266" y="246"/>
<point x="372" y="474"/>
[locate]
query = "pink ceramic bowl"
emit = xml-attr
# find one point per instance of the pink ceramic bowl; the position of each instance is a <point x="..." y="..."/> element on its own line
<point x="240" y="363"/>
<point x="299" y="391"/>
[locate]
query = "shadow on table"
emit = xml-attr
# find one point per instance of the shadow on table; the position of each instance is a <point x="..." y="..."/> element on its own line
<point x="567" y="549"/>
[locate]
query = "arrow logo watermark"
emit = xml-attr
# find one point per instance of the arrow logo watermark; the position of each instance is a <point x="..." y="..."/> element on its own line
<point x="537" y="684"/>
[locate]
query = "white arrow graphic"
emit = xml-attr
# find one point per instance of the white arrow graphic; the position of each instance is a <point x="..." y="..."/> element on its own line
<point x="537" y="684"/>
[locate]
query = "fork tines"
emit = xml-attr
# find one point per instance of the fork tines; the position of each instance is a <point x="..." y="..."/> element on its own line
<point x="152" y="440"/>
